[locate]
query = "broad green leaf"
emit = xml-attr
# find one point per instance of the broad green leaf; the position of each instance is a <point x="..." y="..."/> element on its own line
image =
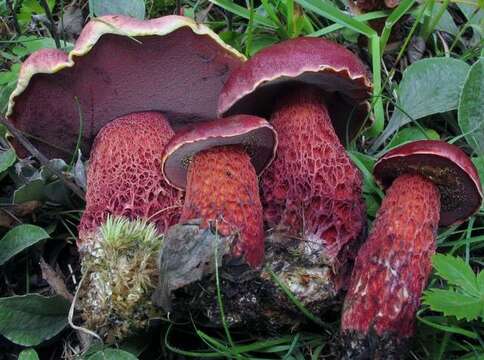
<point x="7" y="159"/>
<point x="28" y="44"/>
<point x="471" y="105"/>
<point x="8" y="81"/>
<point x="452" y="303"/>
<point x="428" y="86"/>
<point x="446" y="22"/>
<point x="29" y="320"/>
<point x="112" y="354"/>
<point x="18" y="239"/>
<point x="475" y="17"/>
<point x="28" y="354"/>
<point x="10" y="76"/>
<point x="30" y="7"/>
<point x="456" y="271"/>
<point x="413" y="133"/>
<point x="33" y="190"/>
<point x="134" y="8"/>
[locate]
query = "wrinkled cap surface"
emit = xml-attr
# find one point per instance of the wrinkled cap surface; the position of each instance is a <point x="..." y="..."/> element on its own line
<point x="254" y="133"/>
<point x="446" y="165"/>
<point x="120" y="65"/>
<point x="254" y="87"/>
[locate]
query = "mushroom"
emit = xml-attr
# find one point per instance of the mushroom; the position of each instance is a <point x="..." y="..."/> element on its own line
<point x="120" y="65"/>
<point x="132" y="83"/>
<point x="312" y="191"/>
<point x="429" y="183"/>
<point x="128" y="208"/>
<point x="217" y="163"/>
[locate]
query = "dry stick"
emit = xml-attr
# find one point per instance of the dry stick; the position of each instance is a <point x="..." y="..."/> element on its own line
<point x="39" y="156"/>
<point x="14" y="16"/>
<point x="52" y="29"/>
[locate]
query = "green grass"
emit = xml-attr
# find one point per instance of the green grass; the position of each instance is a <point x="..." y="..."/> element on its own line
<point x="250" y="26"/>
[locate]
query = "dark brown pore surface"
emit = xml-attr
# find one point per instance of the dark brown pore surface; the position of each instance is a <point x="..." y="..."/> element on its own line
<point x="179" y="74"/>
<point x="347" y="115"/>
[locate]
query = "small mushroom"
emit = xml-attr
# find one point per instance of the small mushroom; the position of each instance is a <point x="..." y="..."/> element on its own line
<point x="429" y="183"/>
<point x="217" y="164"/>
<point x="315" y="94"/>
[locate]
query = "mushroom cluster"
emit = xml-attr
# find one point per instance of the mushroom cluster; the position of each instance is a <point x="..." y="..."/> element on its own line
<point x="187" y="178"/>
<point x="126" y="86"/>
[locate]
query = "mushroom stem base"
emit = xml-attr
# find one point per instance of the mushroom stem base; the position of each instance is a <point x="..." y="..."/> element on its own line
<point x="392" y="269"/>
<point x="312" y="191"/>
<point x="120" y="274"/>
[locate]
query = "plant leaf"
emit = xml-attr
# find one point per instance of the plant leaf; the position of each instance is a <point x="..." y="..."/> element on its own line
<point x="112" y="354"/>
<point x="471" y="105"/>
<point x="28" y="44"/>
<point x="134" y="8"/>
<point x="34" y="190"/>
<point x="29" y="320"/>
<point x="446" y="22"/>
<point x="428" y="87"/>
<point x="7" y="159"/>
<point x="457" y="272"/>
<point x="28" y="354"/>
<point x="18" y="239"/>
<point x="412" y="133"/>
<point x="452" y="303"/>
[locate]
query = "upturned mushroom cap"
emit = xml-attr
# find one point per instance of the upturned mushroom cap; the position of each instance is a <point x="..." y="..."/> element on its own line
<point x="254" y="87"/>
<point x="446" y="165"/>
<point x="254" y="133"/>
<point x="120" y="65"/>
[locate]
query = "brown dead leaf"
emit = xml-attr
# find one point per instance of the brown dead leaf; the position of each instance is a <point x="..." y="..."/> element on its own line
<point x="55" y="280"/>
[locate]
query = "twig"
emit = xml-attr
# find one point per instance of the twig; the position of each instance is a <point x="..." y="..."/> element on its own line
<point x="39" y="156"/>
<point x="13" y="13"/>
<point x="53" y="29"/>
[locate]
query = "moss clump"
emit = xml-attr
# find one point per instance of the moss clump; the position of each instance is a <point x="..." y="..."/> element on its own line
<point x="120" y="273"/>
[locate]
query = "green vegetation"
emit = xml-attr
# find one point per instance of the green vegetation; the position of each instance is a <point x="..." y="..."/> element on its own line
<point x="428" y="75"/>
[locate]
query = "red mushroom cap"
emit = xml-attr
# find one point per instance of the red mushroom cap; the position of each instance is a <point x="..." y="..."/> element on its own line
<point x="446" y="165"/>
<point x="253" y="87"/>
<point x="120" y="65"/>
<point x="255" y="133"/>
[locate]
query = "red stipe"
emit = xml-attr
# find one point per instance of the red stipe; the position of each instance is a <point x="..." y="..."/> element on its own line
<point x="312" y="189"/>
<point x="222" y="187"/>
<point x="124" y="176"/>
<point x="393" y="266"/>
